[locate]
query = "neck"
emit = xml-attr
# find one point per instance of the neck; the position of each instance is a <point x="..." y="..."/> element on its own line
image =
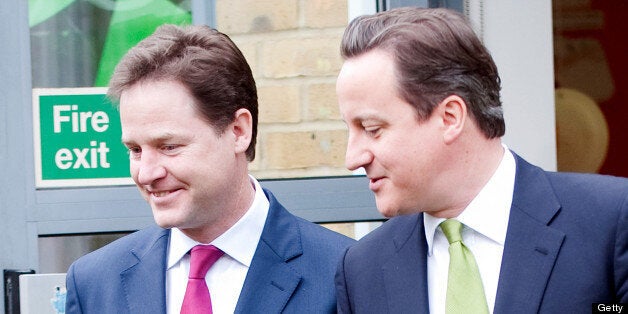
<point x="229" y="214"/>
<point x="475" y="165"/>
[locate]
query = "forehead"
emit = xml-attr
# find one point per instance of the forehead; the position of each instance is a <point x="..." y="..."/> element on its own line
<point x="158" y="107"/>
<point x="152" y="89"/>
<point x="154" y="96"/>
<point x="366" y="84"/>
<point x="370" y="67"/>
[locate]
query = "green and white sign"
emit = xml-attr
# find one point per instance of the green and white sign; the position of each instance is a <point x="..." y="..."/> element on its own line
<point x="77" y="139"/>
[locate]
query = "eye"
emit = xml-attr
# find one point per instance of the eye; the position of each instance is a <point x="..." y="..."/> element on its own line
<point x="169" y="149"/>
<point x="372" y="131"/>
<point x="134" y="152"/>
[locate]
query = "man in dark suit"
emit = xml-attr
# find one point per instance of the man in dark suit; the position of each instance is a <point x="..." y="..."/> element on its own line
<point x="188" y="109"/>
<point x="420" y="95"/>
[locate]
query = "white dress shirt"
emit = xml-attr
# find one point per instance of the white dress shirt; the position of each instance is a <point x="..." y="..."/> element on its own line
<point x="226" y="277"/>
<point x="485" y="222"/>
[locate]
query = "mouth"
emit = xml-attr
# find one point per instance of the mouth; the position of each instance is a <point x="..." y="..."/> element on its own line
<point x="162" y="195"/>
<point x="375" y="183"/>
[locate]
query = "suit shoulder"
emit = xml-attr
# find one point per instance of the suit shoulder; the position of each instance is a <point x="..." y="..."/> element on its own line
<point x="110" y="254"/>
<point x="589" y="181"/>
<point x="601" y="191"/>
<point x="309" y="234"/>
<point x="379" y="242"/>
<point x="319" y="236"/>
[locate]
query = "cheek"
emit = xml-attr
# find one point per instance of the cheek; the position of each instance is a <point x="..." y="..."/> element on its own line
<point x="396" y="152"/>
<point x="134" y="169"/>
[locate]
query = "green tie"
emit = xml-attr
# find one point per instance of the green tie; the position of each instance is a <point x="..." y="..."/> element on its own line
<point x="465" y="293"/>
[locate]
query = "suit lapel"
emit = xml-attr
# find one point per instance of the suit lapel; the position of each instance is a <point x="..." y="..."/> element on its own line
<point x="270" y="281"/>
<point x="405" y="275"/>
<point x="531" y="246"/>
<point x="144" y="281"/>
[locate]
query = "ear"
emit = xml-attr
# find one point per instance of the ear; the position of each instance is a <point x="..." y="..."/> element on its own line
<point x="454" y="115"/>
<point x="242" y="128"/>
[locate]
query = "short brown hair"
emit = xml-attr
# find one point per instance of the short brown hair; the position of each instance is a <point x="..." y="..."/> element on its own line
<point x="436" y="54"/>
<point x="205" y="61"/>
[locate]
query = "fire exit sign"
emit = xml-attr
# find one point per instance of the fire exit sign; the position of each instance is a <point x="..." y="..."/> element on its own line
<point x="77" y="139"/>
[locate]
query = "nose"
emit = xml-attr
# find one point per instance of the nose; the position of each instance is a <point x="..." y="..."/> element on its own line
<point x="357" y="155"/>
<point x="148" y="168"/>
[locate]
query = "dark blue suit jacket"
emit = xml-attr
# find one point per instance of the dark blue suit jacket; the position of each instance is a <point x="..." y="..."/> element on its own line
<point x="292" y="271"/>
<point x="566" y="248"/>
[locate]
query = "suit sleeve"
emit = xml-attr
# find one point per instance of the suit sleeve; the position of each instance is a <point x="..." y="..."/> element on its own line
<point x="72" y="304"/>
<point x="621" y="254"/>
<point x="343" y="305"/>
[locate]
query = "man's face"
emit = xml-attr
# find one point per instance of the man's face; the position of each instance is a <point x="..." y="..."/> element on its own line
<point x="401" y="155"/>
<point x="179" y="163"/>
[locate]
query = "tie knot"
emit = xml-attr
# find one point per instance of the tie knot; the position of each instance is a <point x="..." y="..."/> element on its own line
<point x="202" y="257"/>
<point x="452" y="230"/>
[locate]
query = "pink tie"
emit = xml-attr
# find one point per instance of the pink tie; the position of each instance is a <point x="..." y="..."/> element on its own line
<point x="197" y="299"/>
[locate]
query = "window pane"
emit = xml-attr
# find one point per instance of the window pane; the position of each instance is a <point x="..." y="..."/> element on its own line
<point x="591" y="80"/>
<point x="56" y="253"/>
<point x="77" y="43"/>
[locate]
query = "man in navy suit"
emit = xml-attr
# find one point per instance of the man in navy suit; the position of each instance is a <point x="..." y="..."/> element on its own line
<point x="188" y="109"/>
<point x="420" y="95"/>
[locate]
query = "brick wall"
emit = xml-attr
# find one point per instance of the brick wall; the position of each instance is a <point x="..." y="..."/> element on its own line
<point x="293" y="49"/>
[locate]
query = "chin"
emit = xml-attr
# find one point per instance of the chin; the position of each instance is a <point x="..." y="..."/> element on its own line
<point x="386" y="210"/>
<point x="390" y="210"/>
<point x="165" y="221"/>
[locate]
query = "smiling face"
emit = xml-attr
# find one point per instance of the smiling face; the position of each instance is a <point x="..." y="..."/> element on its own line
<point x="189" y="174"/>
<point x="403" y="157"/>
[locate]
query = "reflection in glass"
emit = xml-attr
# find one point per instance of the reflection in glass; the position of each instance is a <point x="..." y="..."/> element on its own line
<point x="56" y="253"/>
<point x="77" y="43"/>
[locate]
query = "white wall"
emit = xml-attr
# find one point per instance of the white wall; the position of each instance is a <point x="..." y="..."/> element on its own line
<point x="519" y="36"/>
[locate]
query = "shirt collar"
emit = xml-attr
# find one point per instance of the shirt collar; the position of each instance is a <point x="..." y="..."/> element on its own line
<point x="239" y="242"/>
<point x="489" y="211"/>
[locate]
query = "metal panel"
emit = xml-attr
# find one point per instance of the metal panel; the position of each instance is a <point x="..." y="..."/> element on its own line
<point x="321" y="200"/>
<point x="383" y="5"/>
<point x="334" y="199"/>
<point x="15" y="140"/>
<point x="204" y="12"/>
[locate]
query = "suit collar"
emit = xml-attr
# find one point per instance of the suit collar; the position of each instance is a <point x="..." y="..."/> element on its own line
<point x="144" y="280"/>
<point x="531" y="246"/>
<point x="270" y="278"/>
<point x="407" y="266"/>
<point x="281" y="231"/>
<point x="533" y="192"/>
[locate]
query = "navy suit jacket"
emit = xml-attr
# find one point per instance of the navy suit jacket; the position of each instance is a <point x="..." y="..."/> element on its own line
<point x="292" y="271"/>
<point x="566" y="247"/>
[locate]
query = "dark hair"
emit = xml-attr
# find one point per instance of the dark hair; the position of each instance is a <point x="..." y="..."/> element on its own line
<point x="205" y="61"/>
<point x="436" y="54"/>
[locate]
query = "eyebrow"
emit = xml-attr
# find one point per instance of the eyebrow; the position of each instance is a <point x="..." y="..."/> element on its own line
<point x="153" y="139"/>
<point x="366" y="117"/>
